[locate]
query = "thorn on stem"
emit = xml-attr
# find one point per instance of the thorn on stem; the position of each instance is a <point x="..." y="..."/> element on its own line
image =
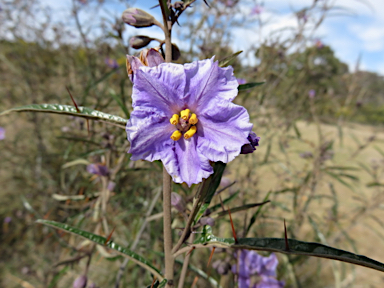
<point x="194" y="282"/>
<point x="153" y="282"/>
<point x="190" y="251"/>
<point x="210" y="256"/>
<point x="109" y="236"/>
<point x="230" y="218"/>
<point x="286" y="238"/>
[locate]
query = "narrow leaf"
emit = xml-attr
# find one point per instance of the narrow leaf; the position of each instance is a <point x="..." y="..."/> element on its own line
<point x="249" y="85"/>
<point x="110" y="244"/>
<point x="296" y="247"/>
<point x="158" y="284"/>
<point x="254" y="216"/>
<point x="69" y="110"/>
<point x="209" y="189"/>
<point x="225" y="61"/>
<point x="119" y="102"/>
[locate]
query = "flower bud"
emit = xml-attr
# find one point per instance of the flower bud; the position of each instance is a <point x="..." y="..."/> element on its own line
<point x="253" y="142"/>
<point x="175" y="52"/>
<point x="80" y="282"/>
<point x="138" y="18"/>
<point x="97" y="169"/>
<point x="178" y="202"/>
<point x="139" y="41"/>
<point x="207" y="221"/>
<point x="148" y="57"/>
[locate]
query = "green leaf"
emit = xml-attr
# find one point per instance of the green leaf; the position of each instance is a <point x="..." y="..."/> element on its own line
<point x="254" y="216"/>
<point x="297" y="131"/>
<point x="57" y="277"/>
<point x="295" y="247"/>
<point x="225" y="201"/>
<point x="209" y="188"/>
<point x="249" y="85"/>
<point x="110" y="244"/>
<point x="240" y="208"/>
<point x="119" y="102"/>
<point x="69" y="110"/>
<point x="225" y="61"/>
<point x="201" y="273"/>
<point x="158" y="284"/>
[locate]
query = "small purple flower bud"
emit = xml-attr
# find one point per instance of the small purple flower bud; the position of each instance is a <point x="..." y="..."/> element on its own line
<point x="256" y="10"/>
<point x="319" y="44"/>
<point x="7" y="219"/>
<point x="241" y="81"/>
<point x="253" y="142"/>
<point x="138" y="18"/>
<point x="111" y="63"/>
<point x="178" y="202"/>
<point x="80" y="282"/>
<point x="97" y="169"/>
<point x="306" y="155"/>
<point x="207" y="221"/>
<point x="222" y="267"/>
<point x="111" y="185"/>
<point x="139" y="41"/>
<point x="2" y="133"/>
<point x="312" y="93"/>
<point x="93" y="285"/>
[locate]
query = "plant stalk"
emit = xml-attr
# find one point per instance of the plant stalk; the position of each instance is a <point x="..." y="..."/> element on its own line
<point x="167" y="220"/>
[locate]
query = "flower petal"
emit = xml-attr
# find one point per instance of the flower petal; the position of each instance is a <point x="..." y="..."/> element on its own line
<point x="160" y="87"/>
<point x="207" y="81"/>
<point x="149" y="133"/>
<point x="222" y="131"/>
<point x="191" y="166"/>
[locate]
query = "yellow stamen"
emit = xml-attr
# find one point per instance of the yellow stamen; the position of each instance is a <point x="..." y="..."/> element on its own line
<point x="185" y="114"/>
<point x="193" y="120"/>
<point x="176" y="135"/>
<point x="190" y="132"/>
<point x="175" y="119"/>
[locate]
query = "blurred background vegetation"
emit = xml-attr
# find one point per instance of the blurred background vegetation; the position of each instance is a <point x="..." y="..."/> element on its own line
<point x="320" y="160"/>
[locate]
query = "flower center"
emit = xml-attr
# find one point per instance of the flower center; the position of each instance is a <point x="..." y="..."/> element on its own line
<point x="185" y="123"/>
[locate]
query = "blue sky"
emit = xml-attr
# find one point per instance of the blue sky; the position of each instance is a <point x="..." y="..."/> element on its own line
<point x="359" y="34"/>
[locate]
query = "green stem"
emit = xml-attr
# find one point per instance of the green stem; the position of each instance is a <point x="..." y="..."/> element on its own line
<point x="167" y="184"/>
<point x="167" y="220"/>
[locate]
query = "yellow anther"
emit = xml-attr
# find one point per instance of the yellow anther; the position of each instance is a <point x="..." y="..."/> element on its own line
<point x="193" y="120"/>
<point x="190" y="132"/>
<point x="176" y="135"/>
<point x="175" y="119"/>
<point x="185" y="114"/>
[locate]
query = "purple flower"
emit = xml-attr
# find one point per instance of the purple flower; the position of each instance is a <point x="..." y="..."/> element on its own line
<point x="2" y="133"/>
<point x="241" y="81"/>
<point x="178" y="202"/>
<point x="184" y="116"/>
<point x="253" y="142"/>
<point x="251" y="263"/>
<point x="229" y="3"/>
<point x="97" y="169"/>
<point x="111" y="63"/>
<point x="80" y="282"/>
<point x="7" y="219"/>
<point x="319" y="44"/>
<point x="312" y="93"/>
<point x="269" y="282"/>
<point x="111" y="185"/>
<point x="256" y="10"/>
